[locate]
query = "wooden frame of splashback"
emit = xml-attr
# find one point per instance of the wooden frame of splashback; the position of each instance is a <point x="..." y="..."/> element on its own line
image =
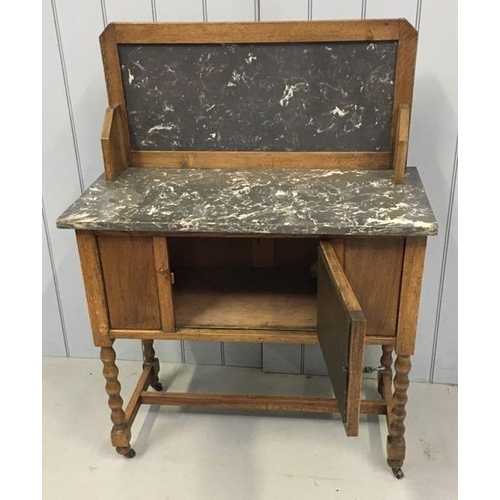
<point x="398" y="30"/>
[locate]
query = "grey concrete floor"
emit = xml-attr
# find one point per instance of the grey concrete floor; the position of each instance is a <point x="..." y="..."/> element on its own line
<point x="198" y="454"/>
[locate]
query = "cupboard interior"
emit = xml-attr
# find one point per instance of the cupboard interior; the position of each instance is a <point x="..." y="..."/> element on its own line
<point x="244" y="282"/>
<point x="254" y="283"/>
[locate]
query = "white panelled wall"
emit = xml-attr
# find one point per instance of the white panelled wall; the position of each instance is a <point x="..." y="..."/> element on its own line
<point x="74" y="100"/>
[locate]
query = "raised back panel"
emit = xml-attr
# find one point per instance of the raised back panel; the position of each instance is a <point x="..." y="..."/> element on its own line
<point x="260" y="97"/>
<point x="293" y="94"/>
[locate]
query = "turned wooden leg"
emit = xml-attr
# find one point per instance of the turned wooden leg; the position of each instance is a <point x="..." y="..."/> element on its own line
<point x="386" y="362"/>
<point x="120" y="434"/>
<point x="395" y="441"/>
<point x="148" y="354"/>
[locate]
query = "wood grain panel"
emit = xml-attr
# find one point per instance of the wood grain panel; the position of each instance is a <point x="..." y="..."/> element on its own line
<point x="341" y="331"/>
<point x="256" y="402"/>
<point x="373" y="268"/>
<point x="262" y="159"/>
<point x="405" y="72"/>
<point x="128" y="265"/>
<point x="233" y="335"/>
<point x="114" y="85"/>
<point x="284" y="299"/>
<point x="295" y="252"/>
<point x="164" y="283"/>
<point x="314" y="31"/>
<point x="113" y="144"/>
<point x="411" y="283"/>
<point x="210" y="252"/>
<point x="263" y="252"/>
<point x="94" y="287"/>
<point x="401" y="143"/>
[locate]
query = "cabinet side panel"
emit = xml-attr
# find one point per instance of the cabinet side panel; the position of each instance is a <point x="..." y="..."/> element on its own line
<point x="130" y="281"/>
<point x="413" y="268"/>
<point x="94" y="287"/>
<point x="373" y="268"/>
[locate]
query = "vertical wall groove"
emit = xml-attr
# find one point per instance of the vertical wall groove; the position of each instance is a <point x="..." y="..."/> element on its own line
<point x="309" y="10"/>
<point x="363" y="9"/>
<point x="443" y="263"/>
<point x="222" y="354"/>
<point x="302" y="358"/>
<point x="256" y="7"/>
<point x="204" y="10"/>
<point x="153" y="11"/>
<point x="68" y="96"/>
<point x="55" y="280"/>
<point x="104" y="13"/>
<point x="183" y="352"/>
<point x="419" y="14"/>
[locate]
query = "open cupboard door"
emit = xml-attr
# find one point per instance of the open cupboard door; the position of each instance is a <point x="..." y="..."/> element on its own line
<point x="341" y="332"/>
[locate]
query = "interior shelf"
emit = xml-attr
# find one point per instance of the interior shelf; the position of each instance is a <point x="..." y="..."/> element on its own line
<point x="282" y="299"/>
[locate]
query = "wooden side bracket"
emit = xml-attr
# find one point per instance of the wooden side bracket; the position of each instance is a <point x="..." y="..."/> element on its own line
<point x="113" y="144"/>
<point x="401" y="143"/>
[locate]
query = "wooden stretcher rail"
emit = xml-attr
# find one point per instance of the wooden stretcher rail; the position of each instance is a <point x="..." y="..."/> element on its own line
<point x="387" y="395"/>
<point x="221" y="335"/>
<point x="236" y="335"/>
<point x="134" y="404"/>
<point x="253" y="402"/>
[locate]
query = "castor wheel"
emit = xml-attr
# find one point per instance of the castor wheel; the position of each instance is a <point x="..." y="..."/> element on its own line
<point x="126" y="452"/>
<point x="157" y="386"/>
<point x="398" y="473"/>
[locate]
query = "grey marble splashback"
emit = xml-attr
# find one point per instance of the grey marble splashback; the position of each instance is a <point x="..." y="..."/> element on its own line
<point x="278" y="201"/>
<point x="260" y="97"/>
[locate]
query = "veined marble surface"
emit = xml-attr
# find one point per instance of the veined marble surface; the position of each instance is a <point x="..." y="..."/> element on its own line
<point x="271" y="201"/>
<point x="315" y="96"/>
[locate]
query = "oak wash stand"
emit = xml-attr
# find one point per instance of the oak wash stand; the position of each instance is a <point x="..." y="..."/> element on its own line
<point x="256" y="190"/>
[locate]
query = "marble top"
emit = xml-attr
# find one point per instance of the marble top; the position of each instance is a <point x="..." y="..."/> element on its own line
<point x="307" y="96"/>
<point x="254" y="201"/>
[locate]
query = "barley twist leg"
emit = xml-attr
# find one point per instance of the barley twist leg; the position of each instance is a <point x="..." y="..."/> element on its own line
<point x="120" y="433"/>
<point x="396" y="446"/>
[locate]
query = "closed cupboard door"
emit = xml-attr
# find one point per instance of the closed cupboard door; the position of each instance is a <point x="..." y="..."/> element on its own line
<point x="130" y="281"/>
<point x="137" y="282"/>
<point x="341" y="327"/>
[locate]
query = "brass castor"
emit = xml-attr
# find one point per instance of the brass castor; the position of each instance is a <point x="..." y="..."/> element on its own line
<point x="398" y="473"/>
<point x="157" y="386"/>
